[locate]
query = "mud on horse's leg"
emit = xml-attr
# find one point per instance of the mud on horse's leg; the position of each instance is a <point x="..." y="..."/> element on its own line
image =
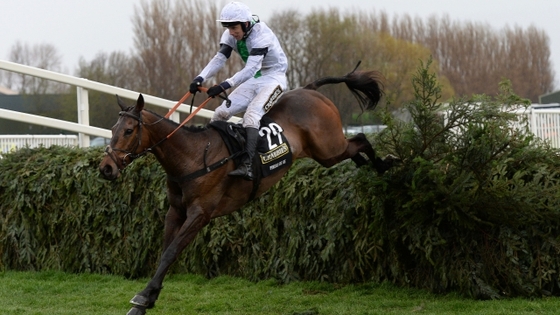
<point x="359" y="142"/>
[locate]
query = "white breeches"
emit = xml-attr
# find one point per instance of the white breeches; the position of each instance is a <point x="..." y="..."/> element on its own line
<point x="254" y="96"/>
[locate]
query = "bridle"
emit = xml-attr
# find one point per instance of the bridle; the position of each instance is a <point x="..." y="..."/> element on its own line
<point x="130" y="154"/>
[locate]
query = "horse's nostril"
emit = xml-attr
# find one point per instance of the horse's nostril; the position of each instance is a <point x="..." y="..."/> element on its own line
<point x="107" y="171"/>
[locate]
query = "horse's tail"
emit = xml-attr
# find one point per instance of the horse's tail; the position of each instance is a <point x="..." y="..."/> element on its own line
<point x="366" y="86"/>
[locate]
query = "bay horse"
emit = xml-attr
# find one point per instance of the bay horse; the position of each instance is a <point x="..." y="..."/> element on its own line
<point x="311" y="124"/>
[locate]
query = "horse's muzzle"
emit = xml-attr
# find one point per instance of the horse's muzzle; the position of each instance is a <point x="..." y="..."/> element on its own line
<point x="109" y="169"/>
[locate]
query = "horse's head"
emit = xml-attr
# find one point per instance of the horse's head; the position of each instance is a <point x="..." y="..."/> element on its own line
<point x="126" y="142"/>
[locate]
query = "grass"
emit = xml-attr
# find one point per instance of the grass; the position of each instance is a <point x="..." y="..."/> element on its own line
<point x="56" y="293"/>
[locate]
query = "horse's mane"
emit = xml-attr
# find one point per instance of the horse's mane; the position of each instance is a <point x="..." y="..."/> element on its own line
<point x="191" y="128"/>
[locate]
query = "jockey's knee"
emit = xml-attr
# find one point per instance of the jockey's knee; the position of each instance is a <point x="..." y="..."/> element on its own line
<point x="221" y="114"/>
<point x="250" y="121"/>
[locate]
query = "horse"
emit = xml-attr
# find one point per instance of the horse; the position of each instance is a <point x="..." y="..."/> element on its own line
<point x="197" y="161"/>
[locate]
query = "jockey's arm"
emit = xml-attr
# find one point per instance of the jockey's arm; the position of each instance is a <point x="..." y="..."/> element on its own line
<point x="217" y="62"/>
<point x="253" y="65"/>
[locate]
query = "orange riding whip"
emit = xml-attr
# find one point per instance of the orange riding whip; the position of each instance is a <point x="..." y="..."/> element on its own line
<point x="178" y="104"/>
<point x="203" y="89"/>
<point x="200" y="88"/>
<point x="192" y="114"/>
<point x="209" y="168"/>
<point x="182" y="100"/>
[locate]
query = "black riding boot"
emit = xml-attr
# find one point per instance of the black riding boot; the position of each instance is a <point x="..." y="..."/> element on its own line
<point x="245" y="169"/>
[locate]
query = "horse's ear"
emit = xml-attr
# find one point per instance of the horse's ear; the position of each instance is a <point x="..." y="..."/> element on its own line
<point x="121" y="103"/>
<point x="139" y="104"/>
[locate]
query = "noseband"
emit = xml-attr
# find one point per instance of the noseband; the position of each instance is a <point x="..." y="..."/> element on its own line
<point x="131" y="153"/>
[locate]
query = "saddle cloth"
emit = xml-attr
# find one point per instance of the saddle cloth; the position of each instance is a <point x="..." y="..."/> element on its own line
<point x="273" y="149"/>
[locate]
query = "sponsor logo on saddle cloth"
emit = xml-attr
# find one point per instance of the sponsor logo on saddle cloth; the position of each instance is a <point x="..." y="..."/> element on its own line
<point x="273" y="148"/>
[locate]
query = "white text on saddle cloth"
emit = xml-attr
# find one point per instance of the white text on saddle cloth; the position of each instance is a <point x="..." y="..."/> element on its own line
<point x="274" y="152"/>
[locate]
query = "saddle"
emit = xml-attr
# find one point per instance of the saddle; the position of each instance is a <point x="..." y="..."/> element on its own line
<point x="273" y="150"/>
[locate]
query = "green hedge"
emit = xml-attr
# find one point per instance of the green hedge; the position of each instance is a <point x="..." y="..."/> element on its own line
<point x="475" y="205"/>
<point x="57" y="213"/>
<point x="473" y="208"/>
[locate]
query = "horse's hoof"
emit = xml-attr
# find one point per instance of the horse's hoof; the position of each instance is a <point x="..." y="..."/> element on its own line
<point x="383" y="165"/>
<point x="139" y="300"/>
<point x="391" y="158"/>
<point x="137" y="310"/>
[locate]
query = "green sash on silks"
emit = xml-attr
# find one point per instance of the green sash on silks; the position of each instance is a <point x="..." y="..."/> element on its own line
<point x="244" y="53"/>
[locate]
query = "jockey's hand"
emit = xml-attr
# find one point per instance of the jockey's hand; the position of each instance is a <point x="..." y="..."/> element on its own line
<point x="217" y="89"/>
<point x="193" y="88"/>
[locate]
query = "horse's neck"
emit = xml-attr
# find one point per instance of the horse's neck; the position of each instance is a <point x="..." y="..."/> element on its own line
<point x="175" y="152"/>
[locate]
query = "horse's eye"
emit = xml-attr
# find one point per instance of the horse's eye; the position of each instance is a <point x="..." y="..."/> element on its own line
<point x="128" y="132"/>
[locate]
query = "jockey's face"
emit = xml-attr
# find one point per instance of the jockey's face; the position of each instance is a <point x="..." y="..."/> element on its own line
<point x="236" y="31"/>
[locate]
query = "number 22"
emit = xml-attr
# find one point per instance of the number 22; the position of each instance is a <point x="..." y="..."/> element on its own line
<point x="272" y="130"/>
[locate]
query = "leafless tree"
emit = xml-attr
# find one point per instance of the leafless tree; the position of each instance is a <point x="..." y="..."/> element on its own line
<point x="44" y="56"/>
<point x="114" y="68"/>
<point x="173" y="41"/>
<point x="328" y="43"/>
<point x="292" y="33"/>
<point x="472" y="58"/>
<point x="475" y="57"/>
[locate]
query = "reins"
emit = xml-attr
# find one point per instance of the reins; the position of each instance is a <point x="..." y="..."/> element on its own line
<point x="172" y="110"/>
<point x="132" y="156"/>
<point x="192" y="114"/>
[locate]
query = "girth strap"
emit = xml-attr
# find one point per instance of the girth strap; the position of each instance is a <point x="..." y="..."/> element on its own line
<point x="204" y="170"/>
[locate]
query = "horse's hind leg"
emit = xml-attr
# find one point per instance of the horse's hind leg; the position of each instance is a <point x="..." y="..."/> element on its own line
<point x="359" y="143"/>
<point x="353" y="147"/>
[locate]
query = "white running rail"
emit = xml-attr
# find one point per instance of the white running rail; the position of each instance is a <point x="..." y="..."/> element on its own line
<point x="83" y="85"/>
<point x="544" y="123"/>
<point x="10" y="143"/>
<point x="542" y="120"/>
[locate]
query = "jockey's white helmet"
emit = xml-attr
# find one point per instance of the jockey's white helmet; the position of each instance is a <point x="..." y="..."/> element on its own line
<point x="235" y="13"/>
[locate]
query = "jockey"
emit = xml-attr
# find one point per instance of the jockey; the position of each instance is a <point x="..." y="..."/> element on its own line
<point x="258" y="85"/>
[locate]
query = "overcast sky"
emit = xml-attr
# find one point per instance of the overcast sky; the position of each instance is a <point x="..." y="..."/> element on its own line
<point x="85" y="27"/>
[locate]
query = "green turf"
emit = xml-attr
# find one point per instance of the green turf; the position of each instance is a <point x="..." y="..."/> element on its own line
<point x="59" y="293"/>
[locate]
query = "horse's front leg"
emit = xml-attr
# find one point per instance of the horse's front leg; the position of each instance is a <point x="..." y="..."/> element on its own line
<point x="174" y="220"/>
<point x="195" y="221"/>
